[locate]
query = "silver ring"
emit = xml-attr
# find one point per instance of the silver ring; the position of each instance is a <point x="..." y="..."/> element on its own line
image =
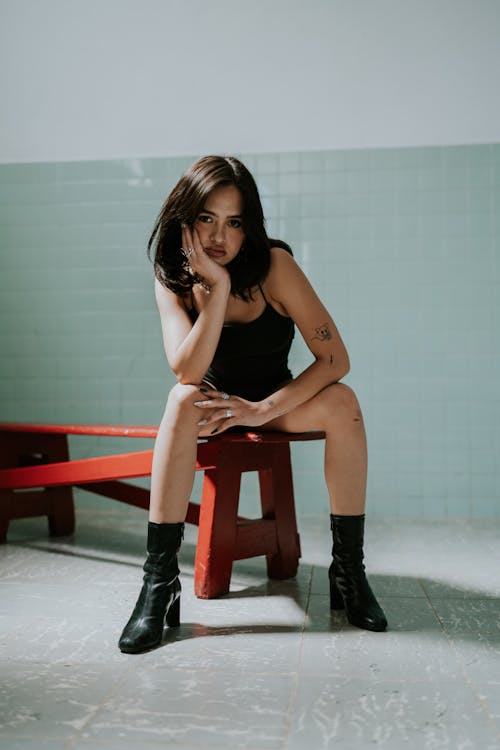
<point x="229" y="413"/>
<point x="225" y="396"/>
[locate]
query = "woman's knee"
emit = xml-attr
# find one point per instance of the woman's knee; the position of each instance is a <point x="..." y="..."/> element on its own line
<point x="339" y="398"/>
<point x="182" y="397"/>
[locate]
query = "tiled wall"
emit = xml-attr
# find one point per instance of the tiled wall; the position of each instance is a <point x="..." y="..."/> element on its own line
<point x="401" y="244"/>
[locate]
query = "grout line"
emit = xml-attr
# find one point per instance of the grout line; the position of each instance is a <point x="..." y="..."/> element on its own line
<point x="470" y="682"/>
<point x="295" y="684"/>
<point x="91" y="716"/>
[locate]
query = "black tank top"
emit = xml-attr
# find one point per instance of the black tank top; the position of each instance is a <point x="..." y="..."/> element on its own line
<point x="251" y="359"/>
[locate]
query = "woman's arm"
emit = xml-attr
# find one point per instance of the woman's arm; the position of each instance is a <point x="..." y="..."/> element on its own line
<point x="289" y="287"/>
<point x="191" y="348"/>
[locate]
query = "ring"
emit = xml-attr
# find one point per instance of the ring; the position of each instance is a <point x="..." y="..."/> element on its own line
<point x="229" y="413"/>
<point x="225" y="396"/>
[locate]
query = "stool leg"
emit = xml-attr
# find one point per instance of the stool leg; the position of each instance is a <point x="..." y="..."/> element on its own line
<point x="277" y="498"/>
<point x="217" y="529"/>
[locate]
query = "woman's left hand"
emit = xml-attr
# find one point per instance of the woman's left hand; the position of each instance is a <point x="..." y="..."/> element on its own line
<point x="228" y="411"/>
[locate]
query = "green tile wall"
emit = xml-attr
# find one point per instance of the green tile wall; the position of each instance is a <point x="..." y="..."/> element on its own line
<point x="401" y="244"/>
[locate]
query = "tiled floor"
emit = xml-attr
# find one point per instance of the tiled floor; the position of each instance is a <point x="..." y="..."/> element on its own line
<point x="268" y="666"/>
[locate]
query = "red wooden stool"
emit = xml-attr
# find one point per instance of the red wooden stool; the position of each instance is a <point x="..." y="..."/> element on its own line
<point x="35" y="459"/>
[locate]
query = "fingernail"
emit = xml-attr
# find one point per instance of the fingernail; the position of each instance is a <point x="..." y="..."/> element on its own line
<point x="198" y="403"/>
<point x="202" y="422"/>
<point x="214" y="431"/>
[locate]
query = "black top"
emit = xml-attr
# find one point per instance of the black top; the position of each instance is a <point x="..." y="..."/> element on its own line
<point x="251" y="359"/>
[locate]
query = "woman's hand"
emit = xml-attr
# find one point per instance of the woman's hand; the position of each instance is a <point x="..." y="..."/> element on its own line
<point x="228" y="411"/>
<point x="199" y="263"/>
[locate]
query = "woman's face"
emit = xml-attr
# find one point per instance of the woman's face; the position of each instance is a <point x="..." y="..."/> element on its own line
<point x="219" y="224"/>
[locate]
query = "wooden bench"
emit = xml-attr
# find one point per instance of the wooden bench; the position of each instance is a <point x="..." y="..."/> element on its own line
<point x="37" y="476"/>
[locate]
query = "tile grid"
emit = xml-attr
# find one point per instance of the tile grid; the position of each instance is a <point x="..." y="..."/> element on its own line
<point x="475" y="689"/>
<point x="400" y="244"/>
<point x="428" y="682"/>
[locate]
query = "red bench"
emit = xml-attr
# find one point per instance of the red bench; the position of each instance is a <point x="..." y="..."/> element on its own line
<point x="37" y="476"/>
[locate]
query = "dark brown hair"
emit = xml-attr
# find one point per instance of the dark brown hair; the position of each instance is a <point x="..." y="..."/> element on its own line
<point x="183" y="205"/>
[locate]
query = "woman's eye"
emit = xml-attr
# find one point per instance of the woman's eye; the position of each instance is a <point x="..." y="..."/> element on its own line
<point x="235" y="223"/>
<point x="205" y="219"/>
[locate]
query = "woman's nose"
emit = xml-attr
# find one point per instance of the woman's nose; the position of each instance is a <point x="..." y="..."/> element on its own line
<point x="218" y="233"/>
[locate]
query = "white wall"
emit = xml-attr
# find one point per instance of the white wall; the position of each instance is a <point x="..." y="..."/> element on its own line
<point x="100" y="79"/>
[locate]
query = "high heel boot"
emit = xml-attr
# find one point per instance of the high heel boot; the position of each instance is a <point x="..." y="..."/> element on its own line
<point x="349" y="588"/>
<point x="159" y="600"/>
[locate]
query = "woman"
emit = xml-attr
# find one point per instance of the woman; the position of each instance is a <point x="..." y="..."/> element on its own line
<point x="229" y="298"/>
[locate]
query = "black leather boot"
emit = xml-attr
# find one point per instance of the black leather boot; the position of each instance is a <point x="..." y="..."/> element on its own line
<point x="159" y="600"/>
<point x="349" y="588"/>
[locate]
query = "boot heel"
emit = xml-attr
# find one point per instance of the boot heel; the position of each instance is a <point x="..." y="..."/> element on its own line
<point x="336" y="600"/>
<point x="173" y="616"/>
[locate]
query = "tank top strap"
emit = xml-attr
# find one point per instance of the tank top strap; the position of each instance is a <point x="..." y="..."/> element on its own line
<point x="261" y="291"/>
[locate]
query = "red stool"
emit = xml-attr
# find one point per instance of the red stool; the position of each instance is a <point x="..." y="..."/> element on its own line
<point x="36" y="456"/>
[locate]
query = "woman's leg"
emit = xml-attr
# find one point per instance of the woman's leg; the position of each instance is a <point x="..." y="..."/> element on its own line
<point x="174" y="464"/>
<point x="336" y="411"/>
<point x="174" y="458"/>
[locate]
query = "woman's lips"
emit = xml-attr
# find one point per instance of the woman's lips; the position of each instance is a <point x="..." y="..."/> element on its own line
<point x="217" y="252"/>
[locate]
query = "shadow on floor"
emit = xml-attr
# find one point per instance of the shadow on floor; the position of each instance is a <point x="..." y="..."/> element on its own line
<point x="411" y="597"/>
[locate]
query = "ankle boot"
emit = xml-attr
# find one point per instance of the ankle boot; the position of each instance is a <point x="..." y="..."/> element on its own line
<point x="159" y="600"/>
<point x="349" y="588"/>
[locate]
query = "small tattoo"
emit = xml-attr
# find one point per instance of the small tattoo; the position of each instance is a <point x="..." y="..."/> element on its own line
<point x="322" y="333"/>
<point x="280" y="413"/>
<point x="331" y="359"/>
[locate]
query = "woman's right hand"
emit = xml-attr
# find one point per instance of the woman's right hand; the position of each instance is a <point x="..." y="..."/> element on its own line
<point x="200" y="264"/>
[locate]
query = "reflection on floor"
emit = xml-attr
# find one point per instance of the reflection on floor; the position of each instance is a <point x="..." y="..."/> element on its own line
<point x="268" y="666"/>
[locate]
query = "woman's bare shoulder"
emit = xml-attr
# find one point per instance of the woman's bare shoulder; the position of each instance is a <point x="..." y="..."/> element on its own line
<point x="166" y="299"/>
<point x="282" y="269"/>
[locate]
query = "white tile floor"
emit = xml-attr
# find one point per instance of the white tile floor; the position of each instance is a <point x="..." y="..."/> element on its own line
<point x="268" y="666"/>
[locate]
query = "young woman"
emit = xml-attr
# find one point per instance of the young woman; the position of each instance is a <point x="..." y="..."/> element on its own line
<point x="229" y="299"/>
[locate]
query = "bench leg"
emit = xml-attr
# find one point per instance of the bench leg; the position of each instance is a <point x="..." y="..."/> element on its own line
<point x="215" y="550"/>
<point x="29" y="449"/>
<point x="277" y="498"/>
<point x="61" y="513"/>
<point x="4" y="515"/>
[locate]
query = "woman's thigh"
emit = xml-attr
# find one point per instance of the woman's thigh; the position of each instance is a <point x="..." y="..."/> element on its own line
<point x="318" y="412"/>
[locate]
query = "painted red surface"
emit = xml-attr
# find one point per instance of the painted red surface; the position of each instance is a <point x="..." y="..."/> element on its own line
<point x="37" y="476"/>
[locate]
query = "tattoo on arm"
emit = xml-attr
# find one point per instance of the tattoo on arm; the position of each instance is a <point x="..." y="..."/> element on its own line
<point x="322" y="333"/>
<point x="271" y="404"/>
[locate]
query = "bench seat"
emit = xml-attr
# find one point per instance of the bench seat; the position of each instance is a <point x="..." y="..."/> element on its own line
<point x="37" y="476"/>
